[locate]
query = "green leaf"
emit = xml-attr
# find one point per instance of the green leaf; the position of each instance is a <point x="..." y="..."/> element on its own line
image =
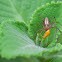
<point x="16" y="42"/>
<point x="28" y="7"/>
<point x="8" y="11"/>
<point x="21" y="10"/>
<point x="14" y="38"/>
<point x="20" y="59"/>
<point x="50" y="11"/>
<point x="54" y="59"/>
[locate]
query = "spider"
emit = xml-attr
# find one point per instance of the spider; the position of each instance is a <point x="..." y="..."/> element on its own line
<point x="46" y="26"/>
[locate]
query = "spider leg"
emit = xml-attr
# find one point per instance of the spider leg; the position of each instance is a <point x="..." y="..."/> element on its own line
<point x="55" y="21"/>
<point x="41" y="17"/>
<point x="52" y="18"/>
<point x="58" y="28"/>
<point x="55" y="25"/>
<point x="58" y="22"/>
<point x="36" y="32"/>
<point x="56" y="31"/>
<point x="52" y="24"/>
<point x="40" y="24"/>
<point x="40" y="34"/>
